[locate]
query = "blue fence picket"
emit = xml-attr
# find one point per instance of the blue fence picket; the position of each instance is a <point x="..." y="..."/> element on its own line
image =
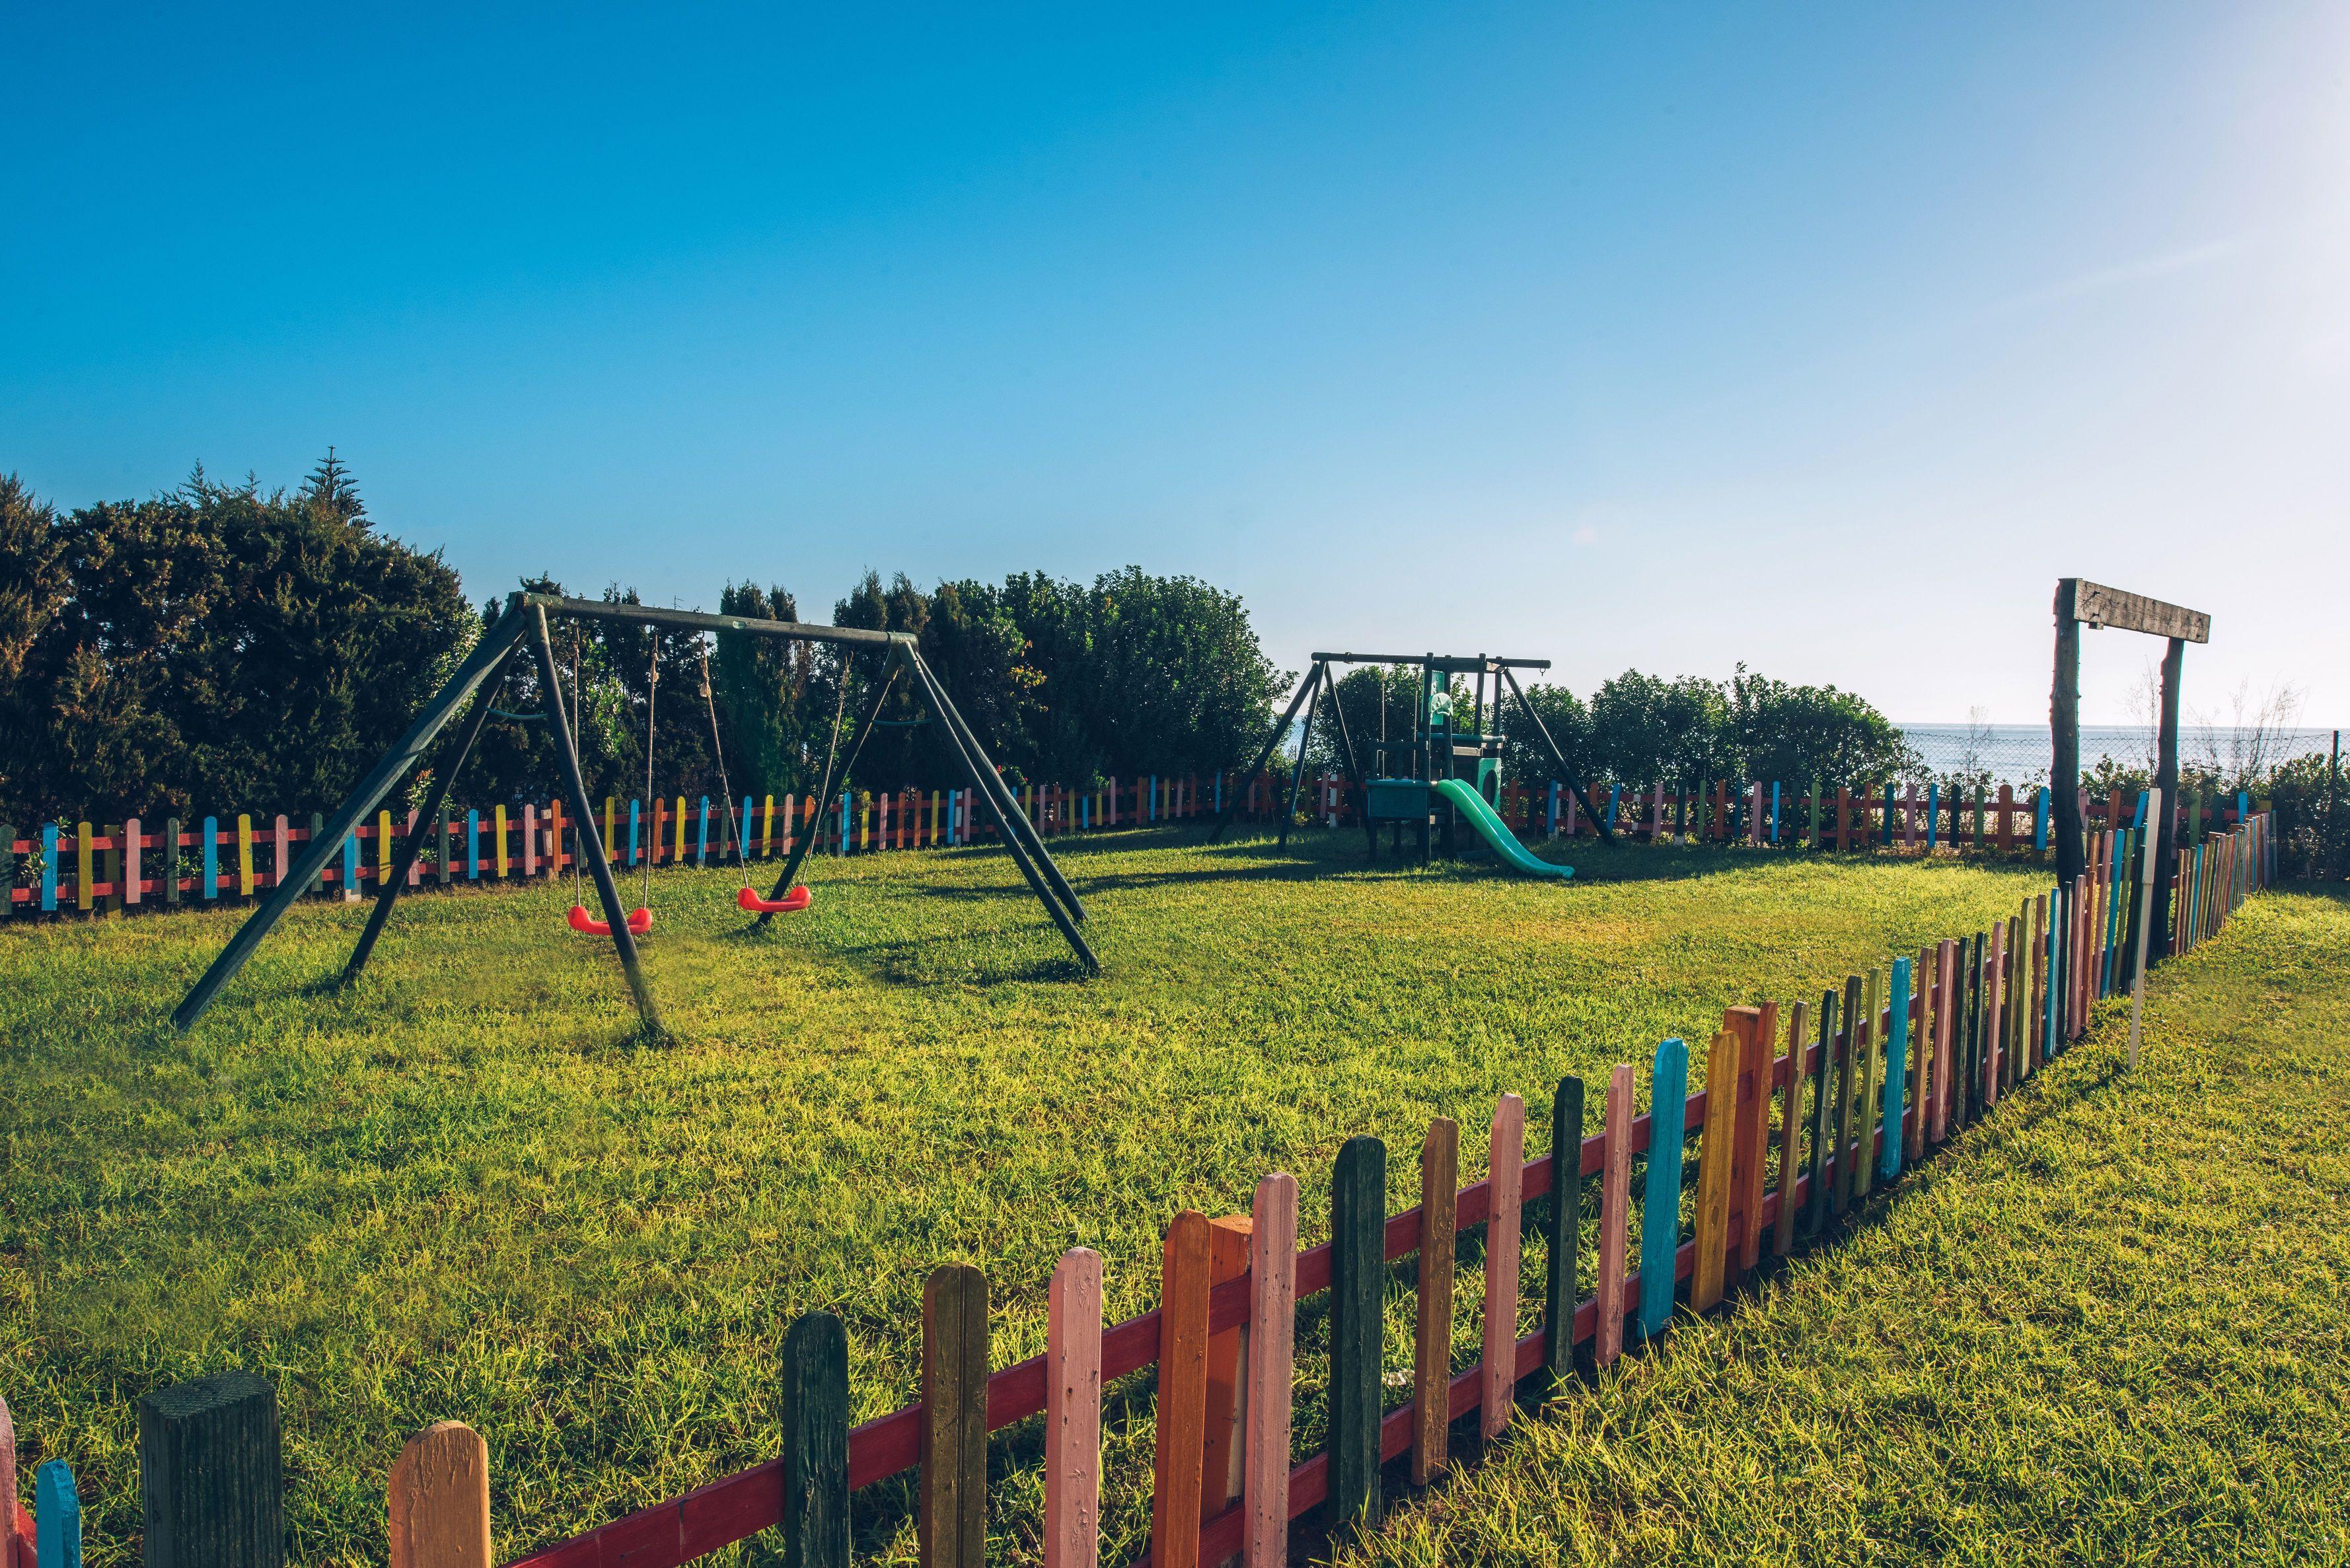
<point x="212" y="857"/>
<point x="702" y="838"/>
<point x="1660" y="1204"/>
<point x="2039" y="823"/>
<point x="1897" y="1079"/>
<point x="49" y="867"/>
<point x="56" y="1516"/>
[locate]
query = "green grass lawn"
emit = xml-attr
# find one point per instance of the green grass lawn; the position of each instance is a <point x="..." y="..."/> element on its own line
<point x="2108" y="1325"/>
<point x="464" y="1191"/>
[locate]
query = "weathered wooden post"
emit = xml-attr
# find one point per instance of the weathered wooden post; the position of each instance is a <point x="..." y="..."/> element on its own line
<point x="210" y="1476"/>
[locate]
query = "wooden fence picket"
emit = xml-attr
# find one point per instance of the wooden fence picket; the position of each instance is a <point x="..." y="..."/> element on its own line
<point x="1565" y="1217"/>
<point x="56" y="1516"/>
<point x="1220" y="1468"/>
<point x="1614" y="1209"/>
<point x="1182" y="1405"/>
<point x="1789" y="1068"/>
<point x="1357" y="1272"/>
<point x="1505" y="1185"/>
<point x="1824" y="1095"/>
<point x="951" y="1529"/>
<point x="1715" y="1160"/>
<point x="1897" y="1068"/>
<point x="439" y="1500"/>
<point x="1431" y="1352"/>
<point x="1848" y="1091"/>
<point x="1660" y="1202"/>
<point x="1273" y="1266"/>
<point x="1758" y="1032"/>
<point x="212" y="1473"/>
<point x="815" y="1410"/>
<point x="1073" y="1397"/>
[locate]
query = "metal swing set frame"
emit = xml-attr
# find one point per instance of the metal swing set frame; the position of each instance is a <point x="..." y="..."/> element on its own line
<point x="525" y="619"/>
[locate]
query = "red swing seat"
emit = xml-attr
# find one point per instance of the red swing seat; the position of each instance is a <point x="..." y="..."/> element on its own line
<point x="640" y="921"/>
<point x="791" y="903"/>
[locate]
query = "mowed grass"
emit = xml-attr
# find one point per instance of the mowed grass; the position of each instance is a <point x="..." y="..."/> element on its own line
<point x="465" y="1190"/>
<point x="2110" y="1325"/>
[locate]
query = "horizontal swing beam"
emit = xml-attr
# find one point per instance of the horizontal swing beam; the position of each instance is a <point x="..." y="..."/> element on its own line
<point x="696" y="620"/>
<point x="1435" y="662"/>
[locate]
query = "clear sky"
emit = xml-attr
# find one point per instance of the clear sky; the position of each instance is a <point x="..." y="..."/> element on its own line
<point x="1823" y="338"/>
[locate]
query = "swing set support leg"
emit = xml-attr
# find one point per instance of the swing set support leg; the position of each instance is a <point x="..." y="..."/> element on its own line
<point x="989" y="781"/>
<point x="592" y="845"/>
<point x="1354" y="768"/>
<point x="981" y="769"/>
<point x="1305" y="739"/>
<point x="495" y="644"/>
<point x="413" y="843"/>
<point x="803" y="843"/>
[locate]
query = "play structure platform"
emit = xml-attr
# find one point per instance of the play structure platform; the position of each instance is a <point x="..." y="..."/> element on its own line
<point x="1440" y="776"/>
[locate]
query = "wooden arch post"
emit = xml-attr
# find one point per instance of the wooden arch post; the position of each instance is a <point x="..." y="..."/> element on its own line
<point x="2079" y="603"/>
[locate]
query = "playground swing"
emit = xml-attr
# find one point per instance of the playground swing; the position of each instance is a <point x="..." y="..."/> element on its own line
<point x="641" y="918"/>
<point x="521" y="631"/>
<point x="746" y="898"/>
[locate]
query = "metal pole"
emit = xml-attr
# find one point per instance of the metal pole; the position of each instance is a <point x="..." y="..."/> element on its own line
<point x="994" y="781"/>
<point x="623" y="940"/>
<point x="1305" y="739"/>
<point x="1280" y="728"/>
<point x="802" y="843"/>
<point x="410" y="843"/>
<point x="404" y="754"/>
<point x="979" y="764"/>
<point x="2145" y="919"/>
<point x="1558" y="758"/>
<point x="1353" y="769"/>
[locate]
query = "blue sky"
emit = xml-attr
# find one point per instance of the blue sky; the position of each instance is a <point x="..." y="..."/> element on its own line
<point x="1822" y="338"/>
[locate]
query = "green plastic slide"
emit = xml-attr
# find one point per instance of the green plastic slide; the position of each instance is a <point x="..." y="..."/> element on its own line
<point x="1495" y="831"/>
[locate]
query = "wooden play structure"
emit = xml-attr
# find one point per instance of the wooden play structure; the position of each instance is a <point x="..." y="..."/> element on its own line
<point x="1440" y="772"/>
<point x="525" y="620"/>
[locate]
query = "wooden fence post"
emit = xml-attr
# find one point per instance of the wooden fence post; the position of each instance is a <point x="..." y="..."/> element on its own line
<point x="211" y="1474"/>
<point x="1566" y="1227"/>
<point x="439" y="1500"/>
<point x="815" y="1411"/>
<point x="1182" y="1404"/>
<point x="1505" y="1182"/>
<point x="1273" y="1320"/>
<point x="1660" y="1204"/>
<point x="1715" y="1161"/>
<point x="1357" y="1272"/>
<point x="1913" y="1136"/>
<point x="1432" y="1371"/>
<point x="952" y="1528"/>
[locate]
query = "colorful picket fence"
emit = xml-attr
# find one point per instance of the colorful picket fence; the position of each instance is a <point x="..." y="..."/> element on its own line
<point x="1803" y="1110"/>
<point x="112" y="868"/>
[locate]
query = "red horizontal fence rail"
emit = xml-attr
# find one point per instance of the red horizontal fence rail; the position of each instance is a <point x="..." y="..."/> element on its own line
<point x="677" y="1531"/>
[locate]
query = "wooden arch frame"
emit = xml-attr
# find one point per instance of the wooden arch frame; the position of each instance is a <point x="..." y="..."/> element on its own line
<point x="525" y="620"/>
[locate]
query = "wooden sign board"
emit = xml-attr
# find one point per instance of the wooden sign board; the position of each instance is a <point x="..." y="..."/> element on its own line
<point x="2095" y="605"/>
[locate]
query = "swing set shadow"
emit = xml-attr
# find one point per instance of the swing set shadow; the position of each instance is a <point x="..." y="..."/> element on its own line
<point x="525" y="619"/>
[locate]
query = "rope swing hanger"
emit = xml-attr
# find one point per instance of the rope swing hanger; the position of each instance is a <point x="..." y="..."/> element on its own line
<point x="641" y="918"/>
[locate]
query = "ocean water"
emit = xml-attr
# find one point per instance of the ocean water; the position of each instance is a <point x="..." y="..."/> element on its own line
<point x="2015" y="753"/>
